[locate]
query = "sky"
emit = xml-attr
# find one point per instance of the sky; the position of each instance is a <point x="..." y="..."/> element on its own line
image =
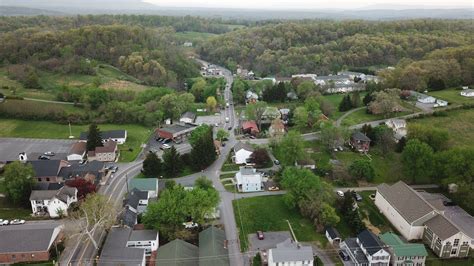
<point x="311" y="4"/>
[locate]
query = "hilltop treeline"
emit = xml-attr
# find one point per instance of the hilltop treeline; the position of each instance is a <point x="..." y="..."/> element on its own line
<point x="325" y="47"/>
<point x="149" y="54"/>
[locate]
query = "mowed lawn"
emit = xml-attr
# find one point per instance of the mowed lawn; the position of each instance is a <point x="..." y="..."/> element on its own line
<point x="453" y="96"/>
<point x="13" y="128"/>
<point x="459" y="123"/>
<point x="361" y="116"/>
<point x="269" y="213"/>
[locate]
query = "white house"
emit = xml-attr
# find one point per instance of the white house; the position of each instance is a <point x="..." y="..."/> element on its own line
<point x="423" y="98"/>
<point x="366" y="249"/>
<point x="144" y="239"/>
<point x="440" y="103"/>
<point x="251" y="96"/>
<point x="188" y="117"/>
<point x="467" y="93"/>
<point x="399" y="127"/>
<point x="290" y="253"/>
<point x="248" y="180"/>
<point x="137" y="200"/>
<point x="119" y="136"/>
<point x="242" y="152"/>
<point x="53" y="202"/>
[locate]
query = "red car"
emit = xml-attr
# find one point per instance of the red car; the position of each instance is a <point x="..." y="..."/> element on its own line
<point x="260" y="235"/>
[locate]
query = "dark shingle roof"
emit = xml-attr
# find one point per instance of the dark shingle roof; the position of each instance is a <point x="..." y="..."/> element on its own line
<point x="80" y="170"/>
<point x="115" y="252"/>
<point x="333" y="233"/>
<point x="110" y="134"/>
<point x="360" y="136"/>
<point x="47" y="186"/>
<point x="27" y="238"/>
<point x="129" y="217"/>
<point x="46" y="167"/>
<point x="142" y="235"/>
<point x="370" y="241"/>
<point x="135" y="196"/>
<point x="189" y="115"/>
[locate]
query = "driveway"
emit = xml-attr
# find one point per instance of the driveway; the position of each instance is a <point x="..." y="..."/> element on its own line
<point x="11" y="147"/>
<point x="270" y="241"/>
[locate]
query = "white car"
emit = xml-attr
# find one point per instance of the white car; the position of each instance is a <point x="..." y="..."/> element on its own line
<point x="190" y="225"/>
<point x="165" y="146"/>
<point x="17" y="221"/>
<point x="340" y="193"/>
<point x="4" y="222"/>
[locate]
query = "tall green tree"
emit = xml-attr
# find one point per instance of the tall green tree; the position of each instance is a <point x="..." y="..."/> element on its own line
<point x="94" y="138"/>
<point x="345" y="104"/>
<point x="255" y="112"/>
<point x="355" y="100"/>
<point x="417" y="158"/>
<point x="152" y="165"/>
<point x="172" y="164"/>
<point x="222" y="134"/>
<point x="19" y="180"/>
<point x="362" y="169"/>
<point x="290" y="148"/>
<point x="203" y="151"/>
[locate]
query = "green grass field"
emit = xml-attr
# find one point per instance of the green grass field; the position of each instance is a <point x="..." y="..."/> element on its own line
<point x="460" y="124"/>
<point x="361" y="116"/>
<point x="269" y="213"/>
<point x="137" y="134"/>
<point x="453" y="96"/>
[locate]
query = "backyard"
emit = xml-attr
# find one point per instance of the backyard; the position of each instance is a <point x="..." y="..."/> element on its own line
<point x="452" y="95"/>
<point x="269" y="213"/>
<point x="14" y="128"/>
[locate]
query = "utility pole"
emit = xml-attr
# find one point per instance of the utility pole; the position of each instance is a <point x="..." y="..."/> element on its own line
<point x="291" y="230"/>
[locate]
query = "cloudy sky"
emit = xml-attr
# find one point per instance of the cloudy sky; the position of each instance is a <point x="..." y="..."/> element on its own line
<point x="312" y="4"/>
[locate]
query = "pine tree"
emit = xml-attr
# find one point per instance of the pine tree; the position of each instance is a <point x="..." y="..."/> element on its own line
<point x="152" y="165"/>
<point x="355" y="100"/>
<point x="345" y="104"/>
<point x="203" y="151"/>
<point x="94" y="138"/>
<point x="171" y="162"/>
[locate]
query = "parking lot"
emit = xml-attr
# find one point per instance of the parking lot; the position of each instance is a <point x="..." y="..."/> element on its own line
<point x="270" y="241"/>
<point x="11" y="147"/>
<point x="154" y="146"/>
<point x="211" y="119"/>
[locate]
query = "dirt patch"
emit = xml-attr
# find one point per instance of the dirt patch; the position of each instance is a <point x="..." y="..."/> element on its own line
<point x="370" y="226"/>
<point x="122" y="85"/>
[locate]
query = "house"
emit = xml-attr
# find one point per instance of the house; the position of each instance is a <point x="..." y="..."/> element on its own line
<point x="175" y="132"/>
<point x="77" y="152"/>
<point x="277" y="128"/>
<point x="404" y="208"/>
<point x="285" y="113"/>
<point x="128" y="217"/>
<point x="338" y="84"/>
<point x="440" y="103"/>
<point x="178" y="252"/>
<point x="94" y="171"/>
<point x="403" y="253"/>
<point x="116" y="252"/>
<point x="188" y="117"/>
<point x="28" y="243"/>
<point x="53" y="202"/>
<point x="366" y="249"/>
<point x="188" y="44"/>
<point x="217" y="146"/>
<point x="242" y="152"/>
<point x="448" y="230"/>
<point x="309" y="76"/>
<point x="106" y="153"/>
<point x="119" y="136"/>
<point x="399" y="127"/>
<point x="144" y="239"/>
<point x="426" y="99"/>
<point x="250" y="127"/>
<point x="248" y="180"/>
<point x="137" y="200"/>
<point x="145" y="184"/>
<point x="48" y="170"/>
<point x="360" y="142"/>
<point x="251" y="97"/>
<point x="212" y="247"/>
<point x="333" y="235"/>
<point x="306" y="164"/>
<point x="270" y="114"/>
<point x="467" y="92"/>
<point x="290" y="253"/>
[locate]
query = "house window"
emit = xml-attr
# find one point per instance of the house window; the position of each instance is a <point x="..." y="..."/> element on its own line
<point x="456" y="243"/>
<point x="47" y="179"/>
<point x="13" y="256"/>
<point x="39" y="179"/>
<point x="454" y="251"/>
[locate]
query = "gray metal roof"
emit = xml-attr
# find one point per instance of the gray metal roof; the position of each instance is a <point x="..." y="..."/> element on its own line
<point x="144" y="184"/>
<point x="177" y="253"/>
<point x="240" y="145"/>
<point x="177" y="128"/>
<point x="60" y="194"/>
<point x="211" y="247"/>
<point x="459" y="217"/>
<point x="442" y="227"/>
<point x="27" y="237"/>
<point x="115" y="252"/>
<point x="291" y="251"/>
<point x="142" y="235"/>
<point x="405" y="200"/>
<point x="189" y="115"/>
<point x="247" y="171"/>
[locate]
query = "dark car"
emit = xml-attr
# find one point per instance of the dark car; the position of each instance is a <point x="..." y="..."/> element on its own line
<point x="229" y="128"/>
<point x="260" y="235"/>
<point x="344" y="255"/>
<point x="357" y="196"/>
<point x="159" y="139"/>
<point x="276" y="162"/>
<point x="166" y="141"/>
<point x="43" y="157"/>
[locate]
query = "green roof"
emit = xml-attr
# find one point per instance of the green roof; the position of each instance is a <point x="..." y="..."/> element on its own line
<point x="211" y="248"/>
<point x="400" y="248"/>
<point x="177" y="253"/>
<point x="144" y="184"/>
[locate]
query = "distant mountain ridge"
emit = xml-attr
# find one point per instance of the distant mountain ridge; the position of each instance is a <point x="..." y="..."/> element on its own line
<point x="375" y="12"/>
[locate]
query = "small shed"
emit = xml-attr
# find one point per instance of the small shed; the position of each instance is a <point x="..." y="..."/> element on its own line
<point x="333" y="235"/>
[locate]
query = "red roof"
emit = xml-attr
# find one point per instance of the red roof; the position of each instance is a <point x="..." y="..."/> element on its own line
<point x="249" y="125"/>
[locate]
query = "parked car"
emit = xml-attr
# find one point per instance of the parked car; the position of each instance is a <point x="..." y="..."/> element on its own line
<point x="159" y="139"/>
<point x="227" y="119"/>
<point x="165" y="146"/>
<point x="344" y="255"/>
<point x="43" y="157"/>
<point x="113" y="168"/>
<point x="260" y="235"/>
<point x="357" y="196"/>
<point x="49" y="153"/>
<point x="190" y="225"/>
<point x="17" y="221"/>
<point x="3" y="222"/>
<point x="273" y="188"/>
<point x="166" y="141"/>
<point x="276" y="162"/>
<point x="340" y="193"/>
<point x="229" y="128"/>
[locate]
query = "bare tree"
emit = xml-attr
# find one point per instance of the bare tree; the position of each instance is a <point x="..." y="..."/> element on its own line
<point x="95" y="212"/>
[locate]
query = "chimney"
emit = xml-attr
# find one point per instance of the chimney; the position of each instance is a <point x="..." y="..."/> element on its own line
<point x="22" y="157"/>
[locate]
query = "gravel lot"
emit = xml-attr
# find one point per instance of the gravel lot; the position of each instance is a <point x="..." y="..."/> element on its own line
<point x="11" y="147"/>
